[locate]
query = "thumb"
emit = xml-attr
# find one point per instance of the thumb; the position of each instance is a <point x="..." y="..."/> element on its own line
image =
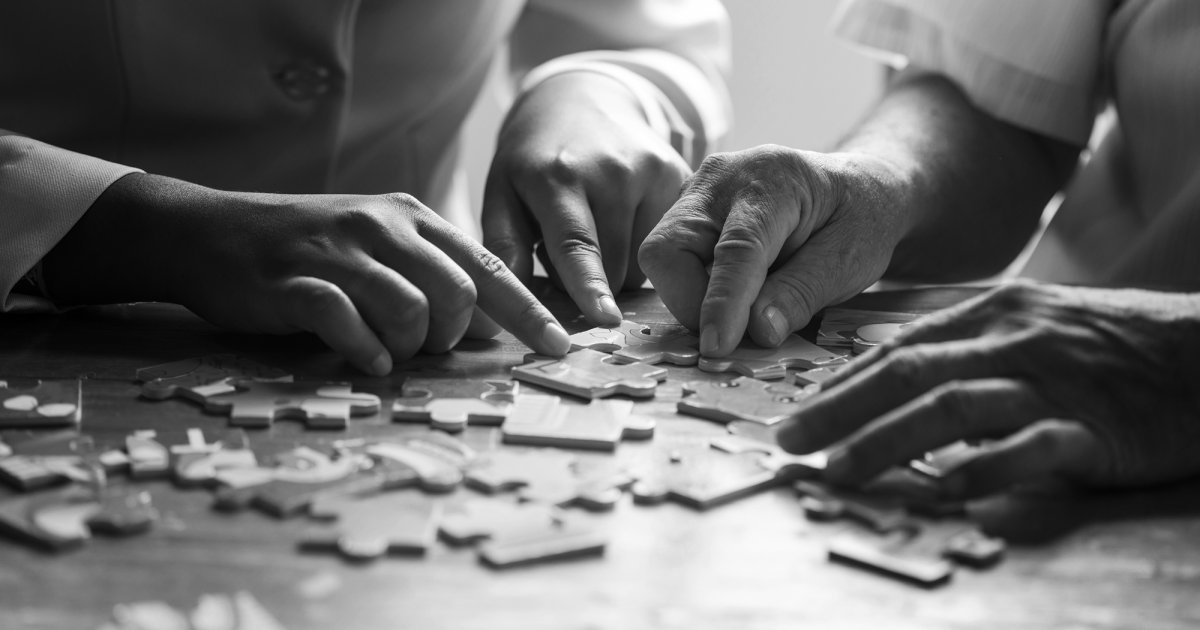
<point x="832" y="266"/>
<point x="508" y="230"/>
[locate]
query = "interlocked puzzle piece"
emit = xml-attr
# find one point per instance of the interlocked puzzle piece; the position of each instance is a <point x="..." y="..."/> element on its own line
<point x="743" y="398"/>
<point x="823" y="503"/>
<point x="38" y="403"/>
<point x="701" y="477"/>
<point x="769" y="364"/>
<point x="518" y="534"/>
<point x="65" y="519"/>
<point x="591" y="374"/>
<point x="319" y="405"/>
<point x="871" y="335"/>
<point x="198" y="378"/>
<point x="369" y="528"/>
<point x="902" y="554"/>
<point x="631" y="342"/>
<point x="56" y="458"/>
<point x="303" y="475"/>
<point x="840" y="325"/>
<point x="551" y="421"/>
<point x="198" y="462"/>
<point x="452" y="404"/>
<point x="550" y="477"/>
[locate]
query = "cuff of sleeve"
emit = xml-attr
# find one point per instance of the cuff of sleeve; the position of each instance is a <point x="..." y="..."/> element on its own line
<point x="678" y="99"/>
<point x="1002" y="89"/>
<point x="44" y="190"/>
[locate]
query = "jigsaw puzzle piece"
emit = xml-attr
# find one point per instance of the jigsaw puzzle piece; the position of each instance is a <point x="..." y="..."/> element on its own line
<point x="284" y="490"/>
<point x="773" y="458"/>
<point x="631" y="342"/>
<point x="510" y="470"/>
<point x="743" y="398"/>
<point x="147" y="456"/>
<point x="452" y="404"/>
<point x="319" y="405"/>
<point x="769" y="364"/>
<point x="519" y="534"/>
<point x="66" y="519"/>
<point x="882" y="514"/>
<point x="701" y="477"/>
<point x="591" y="374"/>
<point x="56" y="458"/>
<point x="840" y="325"/>
<point x="899" y="555"/>
<point x="974" y="549"/>
<point x="198" y="378"/>
<point x="551" y="421"/>
<point x="39" y="403"/>
<point x="594" y="485"/>
<point x="198" y="462"/>
<point x="369" y="528"/>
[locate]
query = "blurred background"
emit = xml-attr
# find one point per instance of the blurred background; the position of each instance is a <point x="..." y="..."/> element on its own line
<point x="793" y="84"/>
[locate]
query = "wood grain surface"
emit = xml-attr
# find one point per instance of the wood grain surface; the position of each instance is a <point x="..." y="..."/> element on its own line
<point x="1076" y="559"/>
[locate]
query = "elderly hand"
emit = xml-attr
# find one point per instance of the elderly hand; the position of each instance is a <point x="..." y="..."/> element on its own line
<point x="578" y="168"/>
<point x="1098" y="386"/>
<point x="377" y="277"/>
<point x="763" y="238"/>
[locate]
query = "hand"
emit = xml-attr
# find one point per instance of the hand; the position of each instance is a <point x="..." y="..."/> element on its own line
<point x="578" y="168"/>
<point x="785" y="232"/>
<point x="376" y="277"/>
<point x="1098" y="386"/>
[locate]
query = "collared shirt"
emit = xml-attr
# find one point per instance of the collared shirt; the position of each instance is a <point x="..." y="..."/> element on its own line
<point x="307" y="96"/>
<point x="1131" y="215"/>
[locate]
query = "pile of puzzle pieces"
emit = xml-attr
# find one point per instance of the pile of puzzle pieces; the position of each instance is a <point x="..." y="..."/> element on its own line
<point x="529" y="500"/>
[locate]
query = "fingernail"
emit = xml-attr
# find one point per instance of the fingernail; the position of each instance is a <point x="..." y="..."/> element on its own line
<point x="608" y="306"/>
<point x="381" y="365"/>
<point x="777" y="324"/>
<point x="839" y="465"/>
<point x="555" y="340"/>
<point x="710" y="340"/>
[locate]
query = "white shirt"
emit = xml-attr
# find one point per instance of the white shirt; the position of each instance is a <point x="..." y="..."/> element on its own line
<point x="1131" y="216"/>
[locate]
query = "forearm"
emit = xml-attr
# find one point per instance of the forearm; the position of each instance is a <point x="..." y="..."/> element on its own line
<point x="971" y="188"/>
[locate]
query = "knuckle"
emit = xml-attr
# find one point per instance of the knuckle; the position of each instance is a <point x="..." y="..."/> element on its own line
<point x="578" y="240"/>
<point x="563" y="168"/>
<point x="318" y="299"/>
<point x="404" y="200"/>
<point x="952" y="401"/>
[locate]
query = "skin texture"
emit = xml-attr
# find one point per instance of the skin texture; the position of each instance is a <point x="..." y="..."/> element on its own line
<point x="761" y="239"/>
<point x="1094" y="385"/>
<point x="377" y="277"/>
<point x="579" y="171"/>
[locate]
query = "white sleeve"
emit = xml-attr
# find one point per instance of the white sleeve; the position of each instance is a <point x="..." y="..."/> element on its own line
<point x="1034" y="63"/>
<point x="44" y="190"/>
<point x="674" y="55"/>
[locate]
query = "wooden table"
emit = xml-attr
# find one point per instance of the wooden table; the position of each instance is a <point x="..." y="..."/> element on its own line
<point x="1110" y="560"/>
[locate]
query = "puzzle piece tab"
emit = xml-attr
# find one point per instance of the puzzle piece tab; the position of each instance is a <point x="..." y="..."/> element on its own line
<point x="743" y="398"/>
<point x="770" y="364"/>
<point x="518" y="534"/>
<point x="320" y="405"/>
<point x="60" y="520"/>
<point x="701" y="477"/>
<point x="551" y="421"/>
<point x="591" y="374"/>
<point x="369" y="528"/>
<point x="198" y="378"/>
<point x="39" y="403"/>
<point x="631" y="342"/>
<point x="840" y="325"/>
<point x="452" y="404"/>
<point x="897" y="555"/>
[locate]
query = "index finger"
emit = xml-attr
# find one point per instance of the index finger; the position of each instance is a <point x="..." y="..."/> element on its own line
<point x="499" y="293"/>
<point x="898" y="379"/>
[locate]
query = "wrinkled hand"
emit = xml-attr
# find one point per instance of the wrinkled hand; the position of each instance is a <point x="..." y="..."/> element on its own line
<point x="763" y="238"/>
<point x="376" y="277"/>
<point x="578" y="168"/>
<point x="1098" y="386"/>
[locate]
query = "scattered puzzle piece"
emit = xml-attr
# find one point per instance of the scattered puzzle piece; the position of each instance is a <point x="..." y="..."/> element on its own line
<point x="974" y="549"/>
<point x="39" y="403"/>
<point x="452" y="404"/>
<point x="198" y="378"/>
<point x="520" y="534"/>
<point x="319" y="405"/>
<point x="702" y="477"/>
<point x="508" y="470"/>
<point x="631" y="342"/>
<point x="147" y="457"/>
<point x="285" y="490"/>
<point x="213" y="612"/>
<point x="774" y="458"/>
<point x="895" y="555"/>
<point x="839" y="325"/>
<point x="59" y="520"/>
<point x="56" y="458"/>
<point x="551" y="421"/>
<point x="368" y="528"/>
<point x="198" y="462"/>
<point x="591" y="374"/>
<point x="822" y="503"/>
<point x="743" y="398"/>
<point x="772" y="363"/>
